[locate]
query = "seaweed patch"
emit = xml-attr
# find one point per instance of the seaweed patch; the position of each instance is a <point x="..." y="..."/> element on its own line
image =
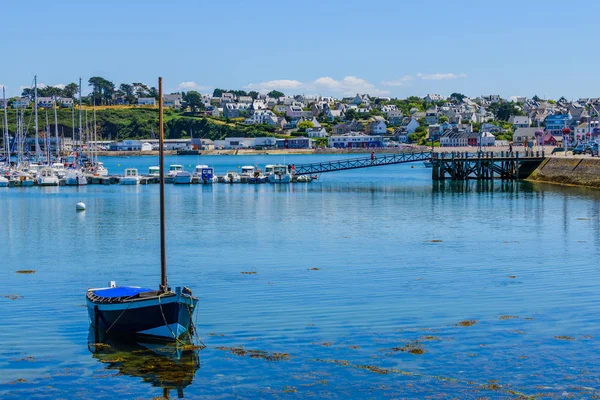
<point x="467" y="322"/>
<point x="241" y="351"/>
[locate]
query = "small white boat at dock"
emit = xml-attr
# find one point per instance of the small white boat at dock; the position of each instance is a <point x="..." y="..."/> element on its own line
<point x="131" y="177"/>
<point x="75" y="177"/>
<point x="154" y="171"/>
<point x="182" y="177"/>
<point x="47" y="177"/>
<point x="281" y="174"/>
<point x="205" y="174"/>
<point x="173" y="170"/>
<point x="59" y="170"/>
<point x="232" y="177"/>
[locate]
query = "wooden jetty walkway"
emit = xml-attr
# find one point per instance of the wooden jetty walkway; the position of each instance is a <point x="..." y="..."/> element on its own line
<point x="485" y="165"/>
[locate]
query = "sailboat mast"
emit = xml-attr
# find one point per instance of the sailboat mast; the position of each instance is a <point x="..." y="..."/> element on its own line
<point x="37" y="156"/>
<point x="56" y="131"/>
<point x="95" y="138"/>
<point x="86" y="135"/>
<point x="73" y="124"/>
<point x="161" y="146"/>
<point x="80" y="143"/>
<point x="6" y="141"/>
<point x="47" y="134"/>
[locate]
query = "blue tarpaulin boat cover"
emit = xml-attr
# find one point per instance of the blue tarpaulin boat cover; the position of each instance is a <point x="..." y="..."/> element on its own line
<point x="122" y="291"/>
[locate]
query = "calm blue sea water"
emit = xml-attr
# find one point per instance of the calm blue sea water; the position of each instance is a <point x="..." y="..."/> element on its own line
<point x="351" y="272"/>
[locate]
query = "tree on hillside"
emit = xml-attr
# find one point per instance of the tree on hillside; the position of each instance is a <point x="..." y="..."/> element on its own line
<point x="275" y="94"/>
<point x="304" y="125"/>
<point x="140" y="89"/>
<point x="503" y="111"/>
<point x="253" y="93"/>
<point x="443" y="119"/>
<point x="218" y="92"/>
<point x="128" y="92"/>
<point x="153" y="92"/>
<point x="71" y="90"/>
<point x="193" y="100"/>
<point x="102" y="90"/>
<point x="351" y="114"/>
<point x="458" y="97"/>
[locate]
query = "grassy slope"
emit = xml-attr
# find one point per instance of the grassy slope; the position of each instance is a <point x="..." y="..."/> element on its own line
<point x="128" y="122"/>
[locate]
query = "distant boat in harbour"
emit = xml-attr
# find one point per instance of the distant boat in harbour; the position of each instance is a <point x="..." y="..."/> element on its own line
<point x="131" y="177"/>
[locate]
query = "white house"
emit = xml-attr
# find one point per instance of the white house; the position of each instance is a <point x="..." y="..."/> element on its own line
<point x="260" y="117"/>
<point x="45" y="102"/>
<point x="126" y="145"/>
<point x="147" y="101"/>
<point x="172" y="100"/>
<point x="377" y="127"/>
<point x="355" y="140"/>
<point x="66" y="102"/>
<point x="433" y="97"/>
<point x="235" y="143"/>
<point x="21" y="102"/>
<point x="316" y="132"/>
<point x="410" y="124"/>
<point x="487" y="139"/>
<point x="401" y="135"/>
<point x="227" y="98"/>
<point x="518" y="121"/>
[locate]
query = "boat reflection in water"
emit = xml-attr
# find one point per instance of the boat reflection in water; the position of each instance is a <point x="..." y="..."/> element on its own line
<point x="165" y="364"/>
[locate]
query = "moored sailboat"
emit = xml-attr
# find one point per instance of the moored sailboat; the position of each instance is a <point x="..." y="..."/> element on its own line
<point x="132" y="310"/>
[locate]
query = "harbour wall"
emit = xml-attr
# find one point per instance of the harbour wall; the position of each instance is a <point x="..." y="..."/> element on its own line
<point x="568" y="171"/>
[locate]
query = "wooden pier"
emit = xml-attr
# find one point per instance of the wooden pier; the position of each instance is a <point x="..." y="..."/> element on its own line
<point x="485" y="165"/>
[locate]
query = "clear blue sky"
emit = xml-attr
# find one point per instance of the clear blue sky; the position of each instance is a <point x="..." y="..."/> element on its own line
<point x="328" y="47"/>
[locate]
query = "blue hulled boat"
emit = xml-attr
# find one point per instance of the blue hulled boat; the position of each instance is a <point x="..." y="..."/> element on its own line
<point x="132" y="310"/>
<point x="128" y="310"/>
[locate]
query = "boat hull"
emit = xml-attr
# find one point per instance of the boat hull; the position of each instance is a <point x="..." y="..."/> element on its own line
<point x="129" y="181"/>
<point x="166" y="317"/>
<point x="50" y="181"/>
<point x="285" y="178"/>
<point x="182" y="179"/>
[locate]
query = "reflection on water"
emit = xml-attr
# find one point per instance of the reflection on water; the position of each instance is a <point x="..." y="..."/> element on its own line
<point x="171" y="366"/>
<point x="355" y="286"/>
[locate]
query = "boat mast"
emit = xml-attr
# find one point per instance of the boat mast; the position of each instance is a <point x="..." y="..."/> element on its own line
<point x="73" y="124"/>
<point x="161" y="138"/>
<point x="80" y="144"/>
<point x="56" y="131"/>
<point x="47" y="135"/>
<point x="95" y="138"/>
<point x="37" y="156"/>
<point x="6" y="141"/>
<point x="86" y="135"/>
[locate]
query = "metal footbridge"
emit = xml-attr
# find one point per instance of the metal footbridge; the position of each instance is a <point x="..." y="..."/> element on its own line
<point x="362" y="162"/>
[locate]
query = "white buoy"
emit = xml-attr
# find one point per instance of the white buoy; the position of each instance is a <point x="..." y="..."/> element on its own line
<point x="80" y="206"/>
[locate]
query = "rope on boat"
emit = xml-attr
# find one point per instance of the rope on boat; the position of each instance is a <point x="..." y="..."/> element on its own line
<point x="120" y="315"/>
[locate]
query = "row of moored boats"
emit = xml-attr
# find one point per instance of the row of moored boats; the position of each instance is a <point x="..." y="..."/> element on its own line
<point x="33" y="174"/>
<point x="274" y="173"/>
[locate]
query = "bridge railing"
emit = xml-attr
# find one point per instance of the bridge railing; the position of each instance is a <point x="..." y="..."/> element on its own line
<point x="489" y="155"/>
<point x="361" y="162"/>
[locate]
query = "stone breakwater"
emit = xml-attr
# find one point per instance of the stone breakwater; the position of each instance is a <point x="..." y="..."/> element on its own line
<point x="568" y="171"/>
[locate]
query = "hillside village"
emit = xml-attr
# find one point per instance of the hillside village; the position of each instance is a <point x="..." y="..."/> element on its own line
<point x="365" y="121"/>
